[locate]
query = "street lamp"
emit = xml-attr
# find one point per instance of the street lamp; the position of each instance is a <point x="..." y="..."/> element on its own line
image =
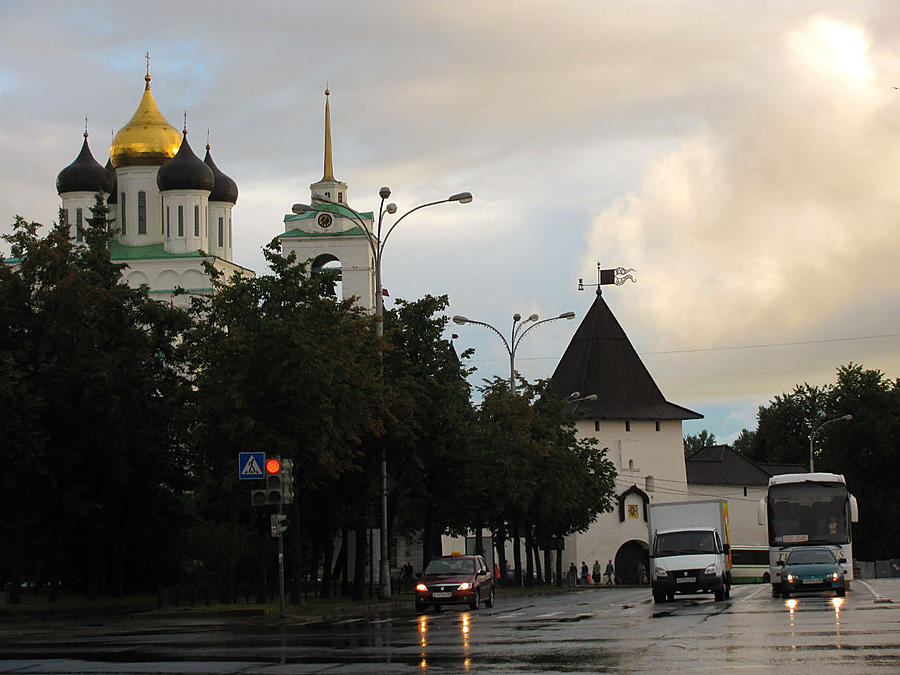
<point x="812" y="437"/>
<point x="518" y="332"/>
<point x="377" y="243"/>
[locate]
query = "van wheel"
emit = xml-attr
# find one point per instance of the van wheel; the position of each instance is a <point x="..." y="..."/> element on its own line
<point x="659" y="598"/>
<point x="720" y="594"/>
<point x="766" y="578"/>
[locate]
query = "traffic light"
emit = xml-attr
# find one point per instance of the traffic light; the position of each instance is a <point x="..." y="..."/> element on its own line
<point x="278" y="524"/>
<point x="279" y="482"/>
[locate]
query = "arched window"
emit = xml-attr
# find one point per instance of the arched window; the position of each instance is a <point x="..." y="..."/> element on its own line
<point x="221" y="231"/>
<point x="650" y="484"/>
<point x="631" y="465"/>
<point x="168" y="223"/>
<point x="142" y="212"/>
<point x="79" y="225"/>
<point x="196" y="220"/>
<point x="180" y="220"/>
<point x="340" y="197"/>
<point x="122" y="210"/>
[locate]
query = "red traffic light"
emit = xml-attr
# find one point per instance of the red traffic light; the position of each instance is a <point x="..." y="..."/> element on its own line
<point x="273" y="466"/>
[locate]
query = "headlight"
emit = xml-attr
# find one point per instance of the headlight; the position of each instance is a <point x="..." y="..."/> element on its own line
<point x="421" y="587"/>
<point x="464" y="586"/>
<point x="790" y="578"/>
<point x="835" y="576"/>
<point x="710" y="570"/>
<point x="661" y="572"/>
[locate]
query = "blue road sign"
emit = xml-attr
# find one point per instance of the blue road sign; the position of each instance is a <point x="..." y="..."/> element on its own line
<point x="250" y="465"/>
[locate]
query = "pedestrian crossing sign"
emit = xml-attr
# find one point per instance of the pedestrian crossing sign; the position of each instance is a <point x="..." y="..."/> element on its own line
<point x="250" y="465"/>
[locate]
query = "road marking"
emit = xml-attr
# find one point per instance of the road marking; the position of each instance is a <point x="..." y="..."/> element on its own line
<point x="878" y="598"/>
<point x="547" y="615"/>
<point x="510" y="616"/>
<point x="350" y="620"/>
<point x="381" y="621"/>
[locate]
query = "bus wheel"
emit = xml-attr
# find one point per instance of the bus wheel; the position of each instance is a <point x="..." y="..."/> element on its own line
<point x="766" y="578"/>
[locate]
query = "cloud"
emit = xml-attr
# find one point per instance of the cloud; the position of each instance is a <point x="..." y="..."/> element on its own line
<point x="772" y="207"/>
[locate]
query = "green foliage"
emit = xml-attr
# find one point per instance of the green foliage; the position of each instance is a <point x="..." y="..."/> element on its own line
<point x="90" y="414"/>
<point x="695" y="442"/>
<point x="864" y="450"/>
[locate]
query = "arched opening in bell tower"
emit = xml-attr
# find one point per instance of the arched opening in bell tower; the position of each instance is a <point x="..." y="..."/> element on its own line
<point x="331" y="266"/>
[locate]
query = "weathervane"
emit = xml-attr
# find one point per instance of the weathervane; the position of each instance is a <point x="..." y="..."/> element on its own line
<point x="615" y="275"/>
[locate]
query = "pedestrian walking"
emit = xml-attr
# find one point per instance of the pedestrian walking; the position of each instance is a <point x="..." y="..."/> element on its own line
<point x="584" y="573"/>
<point x="609" y="573"/>
<point x="571" y="575"/>
<point x="597" y="572"/>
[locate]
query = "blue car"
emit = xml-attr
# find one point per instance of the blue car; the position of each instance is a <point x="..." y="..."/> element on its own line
<point x="811" y="569"/>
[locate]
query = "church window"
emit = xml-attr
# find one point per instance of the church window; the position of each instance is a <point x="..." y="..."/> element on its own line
<point x="340" y="197"/>
<point x="631" y="465"/>
<point x="142" y="212"/>
<point x="221" y="231"/>
<point x="657" y="425"/>
<point x="196" y="220"/>
<point x="65" y="216"/>
<point x="650" y="483"/>
<point x="122" y="210"/>
<point x="627" y="426"/>
<point x="596" y="425"/>
<point x="162" y="221"/>
<point x="79" y="222"/>
<point x="168" y="223"/>
<point x="180" y="220"/>
<point x="328" y="194"/>
<point x="229" y="232"/>
<point x="745" y="491"/>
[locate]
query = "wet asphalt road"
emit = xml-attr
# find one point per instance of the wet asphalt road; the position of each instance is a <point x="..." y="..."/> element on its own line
<point x="596" y="630"/>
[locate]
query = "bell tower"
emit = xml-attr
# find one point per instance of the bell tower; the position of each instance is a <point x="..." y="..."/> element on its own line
<point x="328" y="231"/>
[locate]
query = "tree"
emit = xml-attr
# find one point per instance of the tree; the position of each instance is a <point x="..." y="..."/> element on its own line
<point x="743" y="444"/>
<point x="91" y="388"/>
<point x="864" y="450"/>
<point x="279" y="365"/>
<point x="693" y="443"/>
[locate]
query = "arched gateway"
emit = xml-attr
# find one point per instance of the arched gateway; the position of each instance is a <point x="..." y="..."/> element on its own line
<point x="628" y="557"/>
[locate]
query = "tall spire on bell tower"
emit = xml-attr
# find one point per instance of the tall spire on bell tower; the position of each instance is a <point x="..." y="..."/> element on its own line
<point x="328" y="189"/>
<point x="328" y="174"/>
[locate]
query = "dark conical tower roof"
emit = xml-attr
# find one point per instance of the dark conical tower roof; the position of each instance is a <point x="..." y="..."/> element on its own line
<point x="84" y="174"/>
<point x="601" y="360"/>
<point x="224" y="188"/>
<point x="185" y="171"/>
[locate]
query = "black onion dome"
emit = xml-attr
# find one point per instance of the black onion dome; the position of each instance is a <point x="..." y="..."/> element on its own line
<point x="83" y="175"/>
<point x="113" y="183"/>
<point x="225" y="189"/>
<point x="185" y="171"/>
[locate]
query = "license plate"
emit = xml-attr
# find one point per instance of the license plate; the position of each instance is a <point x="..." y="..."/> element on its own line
<point x="811" y="581"/>
<point x="441" y="594"/>
<point x="685" y="580"/>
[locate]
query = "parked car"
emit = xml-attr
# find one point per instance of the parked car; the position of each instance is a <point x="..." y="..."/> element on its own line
<point x="455" y="579"/>
<point x="814" y="568"/>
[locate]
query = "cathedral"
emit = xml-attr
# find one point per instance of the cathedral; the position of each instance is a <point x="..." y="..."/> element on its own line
<point x="170" y="211"/>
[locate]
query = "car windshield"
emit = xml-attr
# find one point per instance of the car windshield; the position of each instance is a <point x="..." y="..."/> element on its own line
<point x="440" y="566"/>
<point x="811" y="557"/>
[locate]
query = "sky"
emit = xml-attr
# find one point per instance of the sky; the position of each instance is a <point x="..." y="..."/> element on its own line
<point x="741" y="156"/>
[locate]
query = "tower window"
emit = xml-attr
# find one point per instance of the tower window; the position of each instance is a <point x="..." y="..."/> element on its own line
<point x="221" y="231"/>
<point x="180" y="220"/>
<point x="142" y="212"/>
<point x="340" y="197"/>
<point x="65" y="217"/>
<point x="168" y="223"/>
<point x="230" y="241"/>
<point x="650" y="483"/>
<point x="122" y="210"/>
<point x="328" y="194"/>
<point x="196" y="220"/>
<point x="627" y="426"/>
<point x="79" y="221"/>
<point x="162" y="221"/>
<point x="657" y="425"/>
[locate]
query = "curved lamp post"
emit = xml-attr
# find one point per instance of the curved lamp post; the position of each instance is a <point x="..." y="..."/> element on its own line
<point x="812" y="438"/>
<point x="518" y="331"/>
<point x="377" y="242"/>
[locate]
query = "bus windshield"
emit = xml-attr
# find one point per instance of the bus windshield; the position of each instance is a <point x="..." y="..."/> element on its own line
<point x="808" y="513"/>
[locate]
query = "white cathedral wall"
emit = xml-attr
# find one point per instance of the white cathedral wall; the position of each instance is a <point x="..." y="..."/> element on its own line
<point x="131" y="181"/>
<point x="193" y="232"/>
<point x="71" y="202"/>
<point x="220" y="211"/>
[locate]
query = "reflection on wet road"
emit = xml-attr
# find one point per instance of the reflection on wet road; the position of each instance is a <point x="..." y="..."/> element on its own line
<point x="595" y="630"/>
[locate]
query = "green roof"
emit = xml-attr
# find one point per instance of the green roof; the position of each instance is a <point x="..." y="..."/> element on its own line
<point x="300" y="233"/>
<point x="147" y="252"/>
<point x="339" y="209"/>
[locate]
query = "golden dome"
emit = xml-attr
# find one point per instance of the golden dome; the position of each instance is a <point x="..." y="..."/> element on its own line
<point x="148" y="139"/>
